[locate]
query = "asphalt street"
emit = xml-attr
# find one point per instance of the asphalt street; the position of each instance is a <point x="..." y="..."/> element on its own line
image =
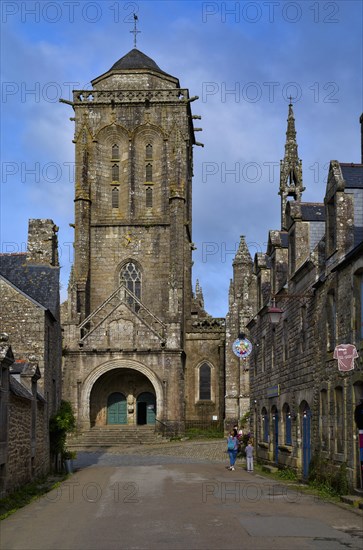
<point x="176" y="497"/>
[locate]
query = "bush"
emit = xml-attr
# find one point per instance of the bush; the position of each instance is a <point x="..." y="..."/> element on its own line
<point x="324" y="475"/>
<point x="61" y="424"/>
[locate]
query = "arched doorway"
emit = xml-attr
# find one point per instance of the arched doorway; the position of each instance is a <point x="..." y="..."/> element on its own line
<point x="275" y="428"/>
<point x="116" y="408"/>
<point x="306" y="437"/>
<point x="146" y="408"/>
<point x="128" y="377"/>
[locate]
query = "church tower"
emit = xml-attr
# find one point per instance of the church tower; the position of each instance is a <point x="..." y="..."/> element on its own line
<point x="130" y="340"/>
<point x="241" y="301"/>
<point x="130" y="289"/>
<point x="291" y="182"/>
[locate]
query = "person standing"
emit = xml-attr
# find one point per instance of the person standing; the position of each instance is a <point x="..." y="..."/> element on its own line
<point x="249" y="456"/>
<point x="232" y="448"/>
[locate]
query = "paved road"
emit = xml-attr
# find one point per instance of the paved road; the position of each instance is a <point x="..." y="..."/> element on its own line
<point x="177" y="496"/>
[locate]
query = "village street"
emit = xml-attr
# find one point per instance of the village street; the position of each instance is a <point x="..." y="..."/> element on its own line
<point x="176" y="496"/>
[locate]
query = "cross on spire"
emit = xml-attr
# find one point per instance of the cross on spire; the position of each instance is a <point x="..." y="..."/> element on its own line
<point x="135" y="32"/>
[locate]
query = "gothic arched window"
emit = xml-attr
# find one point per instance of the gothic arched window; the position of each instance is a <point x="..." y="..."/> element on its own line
<point x="149" y="151"/>
<point x="149" y="197"/>
<point x="205" y="382"/>
<point x="131" y="277"/>
<point x="115" y="172"/>
<point x="115" y="197"/>
<point x="149" y="172"/>
<point x="115" y="151"/>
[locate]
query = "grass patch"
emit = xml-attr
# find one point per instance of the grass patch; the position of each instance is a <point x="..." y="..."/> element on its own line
<point x="28" y="493"/>
<point x="288" y="474"/>
<point x="319" y="490"/>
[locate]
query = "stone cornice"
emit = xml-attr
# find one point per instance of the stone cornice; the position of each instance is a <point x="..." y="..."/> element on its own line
<point x="97" y="97"/>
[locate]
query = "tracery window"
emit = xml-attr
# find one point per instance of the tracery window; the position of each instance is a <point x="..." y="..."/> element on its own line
<point x="131" y="277"/>
<point x="205" y="382"/>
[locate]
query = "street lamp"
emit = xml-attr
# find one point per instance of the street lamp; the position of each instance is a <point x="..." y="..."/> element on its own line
<point x="276" y="313"/>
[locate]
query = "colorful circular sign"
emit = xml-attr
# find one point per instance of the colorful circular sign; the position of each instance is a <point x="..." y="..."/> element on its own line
<point x="242" y="348"/>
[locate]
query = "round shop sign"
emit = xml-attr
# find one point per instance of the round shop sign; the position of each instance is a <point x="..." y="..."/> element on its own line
<point x="242" y="348"/>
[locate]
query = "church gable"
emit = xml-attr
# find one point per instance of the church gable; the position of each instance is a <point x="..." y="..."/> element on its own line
<point x="127" y="325"/>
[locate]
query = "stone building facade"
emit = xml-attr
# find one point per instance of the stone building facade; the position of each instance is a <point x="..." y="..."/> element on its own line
<point x="311" y="275"/>
<point x="24" y="440"/>
<point x="30" y="383"/>
<point x="138" y="346"/>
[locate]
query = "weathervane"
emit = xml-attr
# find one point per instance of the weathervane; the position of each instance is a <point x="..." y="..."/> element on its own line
<point x="135" y="32"/>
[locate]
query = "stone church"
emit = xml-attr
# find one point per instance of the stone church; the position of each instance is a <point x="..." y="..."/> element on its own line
<point x="139" y="347"/>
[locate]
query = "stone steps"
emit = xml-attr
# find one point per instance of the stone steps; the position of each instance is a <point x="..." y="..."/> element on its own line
<point x="114" y="436"/>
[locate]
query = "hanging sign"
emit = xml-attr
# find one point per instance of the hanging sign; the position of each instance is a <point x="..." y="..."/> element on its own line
<point x="242" y="347"/>
<point x="345" y="353"/>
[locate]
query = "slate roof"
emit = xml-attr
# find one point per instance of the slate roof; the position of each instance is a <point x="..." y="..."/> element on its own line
<point x="18" y="389"/>
<point x="136" y="60"/>
<point x="352" y="174"/>
<point x="284" y="236"/>
<point x="313" y="212"/>
<point x="40" y="282"/>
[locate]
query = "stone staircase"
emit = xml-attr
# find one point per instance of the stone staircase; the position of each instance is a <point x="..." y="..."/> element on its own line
<point x="114" y="436"/>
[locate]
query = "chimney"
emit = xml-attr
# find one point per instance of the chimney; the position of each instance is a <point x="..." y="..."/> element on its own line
<point x="42" y="243"/>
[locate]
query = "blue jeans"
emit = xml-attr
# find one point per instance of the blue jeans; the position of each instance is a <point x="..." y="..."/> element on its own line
<point x="232" y="457"/>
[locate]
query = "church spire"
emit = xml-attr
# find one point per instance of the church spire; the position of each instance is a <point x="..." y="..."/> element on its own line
<point x="291" y="184"/>
<point x="199" y="294"/>
<point x="243" y="254"/>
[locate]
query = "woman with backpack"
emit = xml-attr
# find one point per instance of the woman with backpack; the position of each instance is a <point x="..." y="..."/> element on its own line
<point x="232" y="448"/>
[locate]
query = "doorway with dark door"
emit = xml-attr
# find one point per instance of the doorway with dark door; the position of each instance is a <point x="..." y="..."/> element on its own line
<point x="146" y="408"/>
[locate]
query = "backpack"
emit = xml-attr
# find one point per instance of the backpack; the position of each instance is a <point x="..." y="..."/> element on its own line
<point x="230" y="445"/>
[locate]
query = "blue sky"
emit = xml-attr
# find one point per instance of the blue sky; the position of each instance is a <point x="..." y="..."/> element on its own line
<point x="243" y="60"/>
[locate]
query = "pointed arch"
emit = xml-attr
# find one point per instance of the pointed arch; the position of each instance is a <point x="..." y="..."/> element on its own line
<point x="205" y="381"/>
